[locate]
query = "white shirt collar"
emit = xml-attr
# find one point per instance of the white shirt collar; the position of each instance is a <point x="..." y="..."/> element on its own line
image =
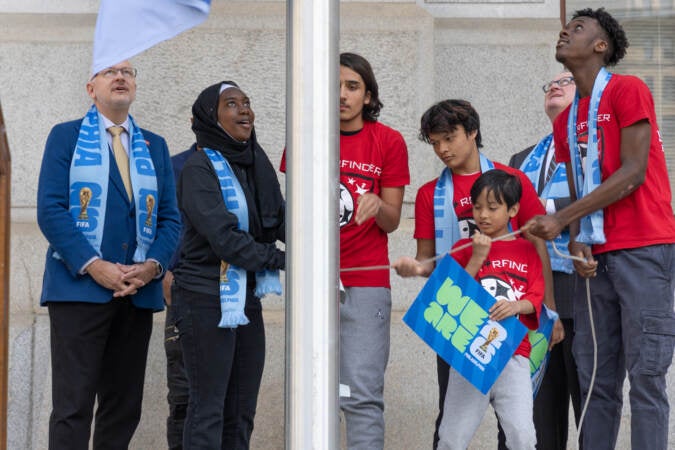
<point x="109" y="123"/>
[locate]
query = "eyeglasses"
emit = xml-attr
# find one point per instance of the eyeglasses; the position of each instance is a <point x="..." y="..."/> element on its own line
<point x="561" y="83"/>
<point x="126" y="72"/>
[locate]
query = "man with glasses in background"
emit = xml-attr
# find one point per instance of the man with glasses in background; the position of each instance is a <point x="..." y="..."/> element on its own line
<point x="560" y="382"/>
<point x="106" y="204"/>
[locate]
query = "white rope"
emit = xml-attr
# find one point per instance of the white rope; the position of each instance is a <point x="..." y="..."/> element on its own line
<point x="437" y="257"/>
<point x="595" y="342"/>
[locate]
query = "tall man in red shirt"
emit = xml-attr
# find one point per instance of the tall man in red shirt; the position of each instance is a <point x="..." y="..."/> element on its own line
<point x="622" y="224"/>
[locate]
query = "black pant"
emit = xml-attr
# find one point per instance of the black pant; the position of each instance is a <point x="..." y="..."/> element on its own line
<point x="551" y="406"/>
<point x="224" y="368"/>
<point x="98" y="351"/>
<point x="443" y="373"/>
<point x="176" y="381"/>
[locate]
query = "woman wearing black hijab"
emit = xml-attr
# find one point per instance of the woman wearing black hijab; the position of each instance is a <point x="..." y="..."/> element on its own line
<point x="233" y="214"/>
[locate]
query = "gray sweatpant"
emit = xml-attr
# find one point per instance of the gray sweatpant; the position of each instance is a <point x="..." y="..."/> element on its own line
<point x="511" y="398"/>
<point x="365" y="318"/>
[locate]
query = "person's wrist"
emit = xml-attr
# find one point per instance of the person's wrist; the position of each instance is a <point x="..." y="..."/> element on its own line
<point x="92" y="265"/>
<point x="155" y="268"/>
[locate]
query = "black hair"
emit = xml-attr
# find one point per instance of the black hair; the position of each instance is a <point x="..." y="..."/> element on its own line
<point x="618" y="43"/>
<point x="360" y="65"/>
<point x="445" y="116"/>
<point x="505" y="187"/>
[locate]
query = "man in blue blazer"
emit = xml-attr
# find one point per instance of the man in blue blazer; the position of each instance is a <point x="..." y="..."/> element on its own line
<point x="106" y="204"/>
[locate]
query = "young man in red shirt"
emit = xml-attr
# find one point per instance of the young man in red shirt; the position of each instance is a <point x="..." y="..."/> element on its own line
<point x="373" y="175"/>
<point x="622" y="224"/>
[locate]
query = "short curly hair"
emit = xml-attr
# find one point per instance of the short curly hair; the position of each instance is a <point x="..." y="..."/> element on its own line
<point x="445" y="116"/>
<point x="617" y="37"/>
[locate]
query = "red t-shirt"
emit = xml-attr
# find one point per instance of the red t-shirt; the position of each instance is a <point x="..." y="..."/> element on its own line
<point x="530" y="205"/>
<point x="373" y="158"/>
<point x="645" y="217"/>
<point x="512" y="271"/>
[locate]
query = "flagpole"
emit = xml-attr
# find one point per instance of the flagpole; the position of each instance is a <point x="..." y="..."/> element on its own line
<point x="5" y="212"/>
<point x="312" y="319"/>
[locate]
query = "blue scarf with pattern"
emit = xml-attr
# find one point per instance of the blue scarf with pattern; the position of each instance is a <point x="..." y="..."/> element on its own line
<point x="555" y="187"/>
<point x="588" y="177"/>
<point x="445" y="217"/>
<point x="89" y="179"/>
<point x="233" y="279"/>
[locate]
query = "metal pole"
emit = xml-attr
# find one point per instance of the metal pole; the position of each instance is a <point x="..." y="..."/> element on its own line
<point x="5" y="203"/>
<point x="312" y="319"/>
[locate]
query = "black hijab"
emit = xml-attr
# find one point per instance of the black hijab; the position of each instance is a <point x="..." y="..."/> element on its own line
<point x="249" y="156"/>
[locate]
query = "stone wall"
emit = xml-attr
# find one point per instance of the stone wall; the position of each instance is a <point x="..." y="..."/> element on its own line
<point x="497" y="55"/>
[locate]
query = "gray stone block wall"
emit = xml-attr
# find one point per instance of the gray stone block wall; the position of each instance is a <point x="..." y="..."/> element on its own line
<point x="419" y="57"/>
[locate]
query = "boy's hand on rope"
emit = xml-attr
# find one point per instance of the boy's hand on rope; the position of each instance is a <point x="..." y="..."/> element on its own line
<point x="481" y="246"/>
<point x="406" y="266"/>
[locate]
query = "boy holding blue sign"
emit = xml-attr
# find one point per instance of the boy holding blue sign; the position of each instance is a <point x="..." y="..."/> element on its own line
<point x="443" y="207"/>
<point x="510" y="269"/>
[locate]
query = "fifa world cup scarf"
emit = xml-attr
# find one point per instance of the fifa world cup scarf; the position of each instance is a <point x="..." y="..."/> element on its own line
<point x="89" y="179"/>
<point x="588" y="177"/>
<point x="445" y="218"/>
<point x="232" y="278"/>
<point x="555" y="187"/>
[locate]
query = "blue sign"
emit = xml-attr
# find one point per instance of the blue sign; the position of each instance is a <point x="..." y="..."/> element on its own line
<point x="450" y="314"/>
<point x="540" y="340"/>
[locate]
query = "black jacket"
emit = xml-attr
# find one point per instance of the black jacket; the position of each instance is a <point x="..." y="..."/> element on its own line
<point x="211" y="232"/>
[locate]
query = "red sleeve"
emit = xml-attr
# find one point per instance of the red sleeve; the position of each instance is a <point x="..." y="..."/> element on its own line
<point x="634" y="102"/>
<point x="464" y="255"/>
<point x="562" y="148"/>
<point x="535" y="286"/>
<point x="395" y="172"/>
<point x="282" y="164"/>
<point x="530" y="205"/>
<point x="424" y="212"/>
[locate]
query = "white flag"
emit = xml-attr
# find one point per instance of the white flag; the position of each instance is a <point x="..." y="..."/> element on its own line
<point x="125" y="28"/>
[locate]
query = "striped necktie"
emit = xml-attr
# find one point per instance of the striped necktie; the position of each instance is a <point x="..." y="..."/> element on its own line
<point x="551" y="168"/>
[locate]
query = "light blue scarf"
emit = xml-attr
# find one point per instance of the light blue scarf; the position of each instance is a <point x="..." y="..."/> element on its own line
<point x="586" y="179"/>
<point x="89" y="179"/>
<point x="232" y="278"/>
<point x="445" y="217"/>
<point x="555" y="187"/>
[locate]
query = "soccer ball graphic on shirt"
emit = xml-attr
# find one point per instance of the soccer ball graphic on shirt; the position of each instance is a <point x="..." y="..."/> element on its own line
<point x="582" y="146"/>
<point x="346" y="205"/>
<point x="467" y="227"/>
<point x="352" y="186"/>
<point x="498" y="288"/>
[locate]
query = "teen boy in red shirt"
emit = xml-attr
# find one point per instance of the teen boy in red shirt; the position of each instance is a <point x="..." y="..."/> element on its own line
<point x="443" y="208"/>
